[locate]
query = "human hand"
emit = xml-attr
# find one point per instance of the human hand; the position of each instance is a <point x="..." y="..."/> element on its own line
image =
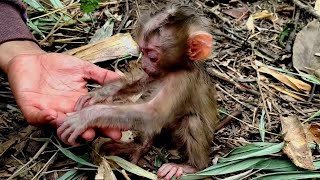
<point x="47" y="86"/>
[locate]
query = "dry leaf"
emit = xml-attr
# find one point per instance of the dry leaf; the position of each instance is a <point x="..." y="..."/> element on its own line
<point x="263" y="15"/>
<point x="285" y="91"/>
<point x="296" y="145"/>
<point x="317" y="6"/>
<point x="250" y="24"/>
<point x="292" y="82"/>
<point x="105" y="171"/>
<point x="306" y="45"/>
<point x="117" y="46"/>
<point x="308" y="134"/>
<point x="237" y="13"/>
<point x="314" y="130"/>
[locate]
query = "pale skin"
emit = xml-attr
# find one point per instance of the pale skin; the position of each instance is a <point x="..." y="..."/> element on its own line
<point x="46" y="86"/>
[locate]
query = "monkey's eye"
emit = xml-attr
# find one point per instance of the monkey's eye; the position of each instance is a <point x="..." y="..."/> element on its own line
<point x="153" y="56"/>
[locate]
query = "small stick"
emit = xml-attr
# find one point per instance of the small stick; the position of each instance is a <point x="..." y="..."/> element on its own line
<point x="292" y="35"/>
<point x="312" y="93"/>
<point x="239" y="86"/>
<point x="216" y="14"/>
<point x="242" y="103"/>
<point x="307" y="8"/>
<point x="262" y="97"/>
<point x="126" y="16"/>
<point x="227" y="120"/>
<point x="44" y="146"/>
<point x="275" y="57"/>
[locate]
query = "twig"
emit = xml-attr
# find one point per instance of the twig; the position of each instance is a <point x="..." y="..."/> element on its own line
<point x="263" y="99"/>
<point x="213" y="12"/>
<point x="244" y="40"/>
<point x="307" y="8"/>
<point x="292" y="35"/>
<point x="242" y="103"/>
<point x="241" y="43"/>
<point x="154" y="4"/>
<point x="45" y="166"/>
<point x="227" y="120"/>
<point x="44" y="146"/>
<point x="312" y="93"/>
<point x="239" y="86"/>
<point x="126" y="16"/>
<point x="249" y="125"/>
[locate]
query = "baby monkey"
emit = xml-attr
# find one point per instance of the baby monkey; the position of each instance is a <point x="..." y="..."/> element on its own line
<point x="178" y="94"/>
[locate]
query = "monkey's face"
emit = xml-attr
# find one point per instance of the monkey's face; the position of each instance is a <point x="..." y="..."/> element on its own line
<point x="162" y="52"/>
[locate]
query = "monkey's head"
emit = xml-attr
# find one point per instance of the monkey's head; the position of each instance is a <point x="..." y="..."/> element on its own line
<point x="173" y="39"/>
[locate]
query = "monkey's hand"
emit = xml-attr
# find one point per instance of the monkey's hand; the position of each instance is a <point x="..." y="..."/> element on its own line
<point x="95" y="116"/>
<point x="104" y="94"/>
<point x="168" y="170"/>
<point x="72" y="127"/>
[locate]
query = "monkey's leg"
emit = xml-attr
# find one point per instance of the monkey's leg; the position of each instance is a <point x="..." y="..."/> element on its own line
<point x="118" y="148"/>
<point x="196" y="138"/>
<point x="136" y="151"/>
<point x="142" y="150"/>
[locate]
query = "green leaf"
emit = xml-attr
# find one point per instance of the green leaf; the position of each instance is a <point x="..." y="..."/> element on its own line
<point x="69" y="175"/>
<point x="57" y="4"/>
<point x="255" y="153"/>
<point x="251" y="148"/>
<point x="224" y="168"/>
<point x="290" y="175"/>
<point x="132" y="167"/>
<point x="70" y="155"/>
<point x="88" y="6"/>
<point x="35" y="5"/>
<point x="273" y="164"/>
<point x="35" y="28"/>
<point x="314" y="115"/>
<point x="284" y="35"/>
<point x="157" y="162"/>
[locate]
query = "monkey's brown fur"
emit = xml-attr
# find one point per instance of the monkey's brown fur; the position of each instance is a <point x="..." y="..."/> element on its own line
<point x="182" y="98"/>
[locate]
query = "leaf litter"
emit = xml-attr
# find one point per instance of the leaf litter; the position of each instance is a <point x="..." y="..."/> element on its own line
<point x="277" y="34"/>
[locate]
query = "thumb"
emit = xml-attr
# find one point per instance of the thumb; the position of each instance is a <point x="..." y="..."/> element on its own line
<point x="37" y="117"/>
<point x="98" y="74"/>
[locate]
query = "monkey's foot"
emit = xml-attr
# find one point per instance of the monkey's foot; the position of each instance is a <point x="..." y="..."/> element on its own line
<point x="167" y="171"/>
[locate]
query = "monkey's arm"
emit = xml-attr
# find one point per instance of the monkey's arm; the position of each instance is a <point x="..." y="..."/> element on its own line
<point x="109" y="90"/>
<point x="149" y="117"/>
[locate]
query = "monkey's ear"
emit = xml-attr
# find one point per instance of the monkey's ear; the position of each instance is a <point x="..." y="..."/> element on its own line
<point x="200" y="45"/>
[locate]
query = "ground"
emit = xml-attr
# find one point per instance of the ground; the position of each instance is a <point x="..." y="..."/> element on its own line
<point x="240" y="86"/>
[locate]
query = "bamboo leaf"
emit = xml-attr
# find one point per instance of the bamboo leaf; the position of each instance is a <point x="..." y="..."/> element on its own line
<point x="35" y="5"/>
<point x="260" y="152"/>
<point x="290" y="175"/>
<point x="70" y="155"/>
<point x="224" y="168"/>
<point x="132" y="167"/>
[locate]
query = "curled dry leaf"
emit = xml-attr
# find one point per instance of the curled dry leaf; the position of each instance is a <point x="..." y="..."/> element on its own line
<point x="305" y="48"/>
<point x="317" y="6"/>
<point x="237" y="13"/>
<point x="292" y="82"/>
<point x="117" y="46"/>
<point x="105" y="171"/>
<point x="314" y="130"/>
<point x="250" y="24"/>
<point x="296" y="145"/>
<point x="263" y="15"/>
<point x="285" y="91"/>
